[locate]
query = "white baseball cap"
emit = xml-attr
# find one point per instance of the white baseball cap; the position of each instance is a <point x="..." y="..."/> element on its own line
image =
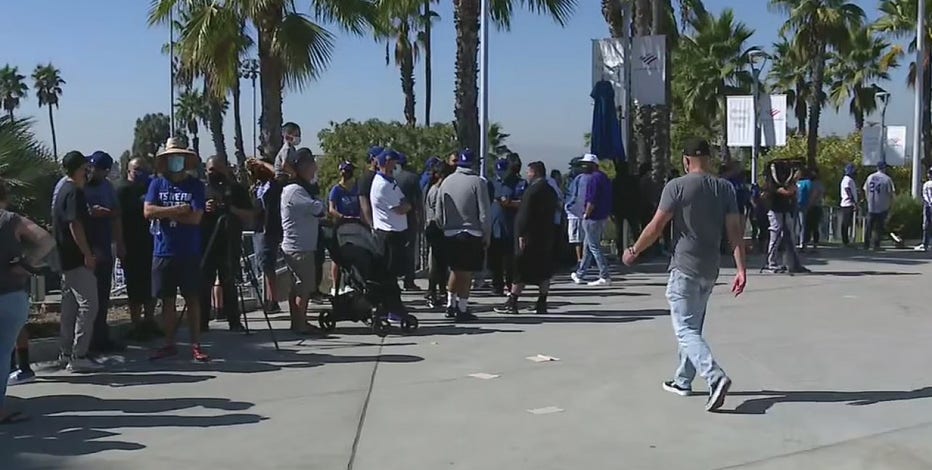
<point x="590" y="158"/>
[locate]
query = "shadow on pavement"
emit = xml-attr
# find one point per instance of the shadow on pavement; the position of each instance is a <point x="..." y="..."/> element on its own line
<point x="126" y="380"/>
<point x="769" y="398"/>
<point x="61" y="426"/>
<point x="860" y="273"/>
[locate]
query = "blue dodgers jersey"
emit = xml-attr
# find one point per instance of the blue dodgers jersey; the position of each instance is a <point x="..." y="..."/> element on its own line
<point x="172" y="239"/>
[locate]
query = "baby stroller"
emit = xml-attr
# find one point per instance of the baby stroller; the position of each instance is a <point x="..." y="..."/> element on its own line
<point x="373" y="295"/>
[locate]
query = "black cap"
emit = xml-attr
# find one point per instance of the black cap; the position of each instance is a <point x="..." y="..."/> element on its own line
<point x="73" y="161"/>
<point x="697" y="148"/>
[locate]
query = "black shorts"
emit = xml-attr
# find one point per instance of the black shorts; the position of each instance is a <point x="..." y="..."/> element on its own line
<point x="137" y="273"/>
<point x="465" y="253"/>
<point x="173" y="275"/>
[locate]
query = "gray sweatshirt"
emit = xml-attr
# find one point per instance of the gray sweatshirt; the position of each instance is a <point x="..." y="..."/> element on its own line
<point x="463" y="204"/>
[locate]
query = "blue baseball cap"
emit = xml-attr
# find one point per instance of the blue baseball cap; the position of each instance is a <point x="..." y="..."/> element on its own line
<point x="501" y="164"/>
<point x="850" y="169"/>
<point x="466" y="159"/>
<point x="375" y="151"/>
<point x="402" y="159"/>
<point x="347" y="166"/>
<point x="387" y="155"/>
<point x="882" y="166"/>
<point x="100" y="159"/>
<point x="431" y="163"/>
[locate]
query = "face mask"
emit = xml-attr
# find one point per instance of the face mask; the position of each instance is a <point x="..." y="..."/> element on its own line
<point x="314" y="179"/>
<point x="216" y="178"/>
<point x="296" y="141"/>
<point x="140" y="175"/>
<point x="176" y="164"/>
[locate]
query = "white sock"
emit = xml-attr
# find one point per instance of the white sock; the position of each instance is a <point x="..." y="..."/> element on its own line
<point x="462" y="304"/>
<point x="451" y="299"/>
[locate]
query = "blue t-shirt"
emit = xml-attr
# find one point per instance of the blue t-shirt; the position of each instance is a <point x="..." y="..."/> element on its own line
<point x="172" y="239"/>
<point x="804" y="191"/>
<point x="503" y="220"/>
<point x="100" y="229"/>
<point x="346" y="200"/>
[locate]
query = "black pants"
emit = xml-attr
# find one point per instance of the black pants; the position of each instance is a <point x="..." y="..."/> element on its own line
<point x="439" y="267"/>
<point x="394" y="249"/>
<point x="633" y="222"/>
<point x="813" y="222"/>
<point x="501" y="261"/>
<point x="100" y="335"/>
<point x="847" y="222"/>
<point x="223" y="265"/>
<point x="410" y="255"/>
<point x="875" y="229"/>
<point x="319" y="262"/>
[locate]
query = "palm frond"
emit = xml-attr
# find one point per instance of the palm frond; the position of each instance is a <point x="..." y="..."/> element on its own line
<point x="304" y="47"/>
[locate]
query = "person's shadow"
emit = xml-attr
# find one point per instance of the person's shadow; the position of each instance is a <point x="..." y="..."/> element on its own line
<point x="769" y="398"/>
<point x="73" y="425"/>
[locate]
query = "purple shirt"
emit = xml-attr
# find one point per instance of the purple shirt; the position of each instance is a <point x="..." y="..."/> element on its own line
<point x="599" y="194"/>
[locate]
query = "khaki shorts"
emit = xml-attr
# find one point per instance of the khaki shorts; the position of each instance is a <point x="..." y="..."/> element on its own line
<point x="303" y="269"/>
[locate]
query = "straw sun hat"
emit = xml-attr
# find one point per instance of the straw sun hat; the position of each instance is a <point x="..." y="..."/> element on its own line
<point x="176" y="146"/>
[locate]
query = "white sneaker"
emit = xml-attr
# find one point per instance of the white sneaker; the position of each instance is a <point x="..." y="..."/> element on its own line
<point x="63" y="360"/>
<point x="576" y="279"/>
<point x="920" y="248"/>
<point x="600" y="282"/>
<point x="18" y="377"/>
<point x="83" y="364"/>
<point x="333" y="292"/>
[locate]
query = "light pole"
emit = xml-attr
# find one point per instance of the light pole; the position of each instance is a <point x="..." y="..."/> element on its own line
<point x="483" y="86"/>
<point x="756" y="59"/>
<point x="920" y="93"/>
<point x="250" y="70"/>
<point x="171" y="71"/>
<point x="884" y="98"/>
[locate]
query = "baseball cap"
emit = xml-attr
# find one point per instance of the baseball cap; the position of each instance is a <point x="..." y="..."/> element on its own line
<point x="100" y="159"/>
<point x="431" y="163"/>
<point x="590" y="158"/>
<point x="882" y="166"/>
<point x="375" y="151"/>
<point x="387" y="155"/>
<point x="697" y="148"/>
<point x="73" y="161"/>
<point x="300" y="157"/>
<point x="501" y="164"/>
<point x="466" y="158"/>
<point x="347" y="166"/>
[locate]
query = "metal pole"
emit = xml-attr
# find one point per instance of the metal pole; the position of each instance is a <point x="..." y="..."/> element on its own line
<point x="483" y="86"/>
<point x="755" y="124"/>
<point x="883" y="129"/>
<point x="255" y="123"/>
<point x="920" y="93"/>
<point x="171" y="68"/>
<point x="626" y="127"/>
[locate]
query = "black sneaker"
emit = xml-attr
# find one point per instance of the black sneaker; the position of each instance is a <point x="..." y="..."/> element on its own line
<point x="717" y="394"/>
<point x="541" y="307"/>
<point x="451" y="312"/>
<point x="465" y="317"/>
<point x="800" y="270"/>
<point x="431" y="302"/>
<point x="510" y="306"/>
<point x="237" y="327"/>
<point x="412" y="287"/>
<point x="672" y="387"/>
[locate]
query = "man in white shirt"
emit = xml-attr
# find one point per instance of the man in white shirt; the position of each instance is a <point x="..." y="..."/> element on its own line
<point x="389" y="212"/>
<point x="879" y="191"/>
<point x="926" y="215"/>
<point x="849" y="203"/>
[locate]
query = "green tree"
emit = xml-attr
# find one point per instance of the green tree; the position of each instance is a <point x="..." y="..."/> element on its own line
<point x="293" y="49"/>
<point x="820" y="27"/>
<point x="789" y="75"/>
<point x="397" y="23"/>
<point x="497" y="146"/>
<point x="28" y="167"/>
<point x="191" y="109"/>
<point x="150" y="133"/>
<point x="466" y="19"/>
<point x="866" y="60"/>
<point x="12" y="89"/>
<point x="48" y="84"/>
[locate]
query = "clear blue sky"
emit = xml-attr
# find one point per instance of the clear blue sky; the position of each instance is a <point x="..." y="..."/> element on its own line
<point x="539" y="75"/>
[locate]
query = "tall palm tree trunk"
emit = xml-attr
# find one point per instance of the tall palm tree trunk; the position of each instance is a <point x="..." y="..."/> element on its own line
<point x="52" y="125"/>
<point x="926" y="100"/>
<point x="270" y="79"/>
<point x="815" y="106"/>
<point x="466" y="19"/>
<point x="407" y="86"/>
<point x="196" y="143"/>
<point x="215" y="124"/>
<point x="238" y="126"/>
<point x="800" y="108"/>
<point x="428" y="80"/>
<point x="642" y="113"/>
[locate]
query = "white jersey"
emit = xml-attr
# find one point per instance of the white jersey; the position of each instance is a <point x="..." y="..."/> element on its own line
<point x="848" y="185"/>
<point x="879" y="191"/>
<point x="927" y="193"/>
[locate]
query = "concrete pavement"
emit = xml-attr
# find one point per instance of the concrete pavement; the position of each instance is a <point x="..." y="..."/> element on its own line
<point x="829" y="372"/>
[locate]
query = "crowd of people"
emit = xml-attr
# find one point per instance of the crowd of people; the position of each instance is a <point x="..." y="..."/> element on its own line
<point x="176" y="235"/>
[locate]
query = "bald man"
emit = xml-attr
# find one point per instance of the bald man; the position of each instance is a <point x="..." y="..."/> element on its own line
<point x="137" y="262"/>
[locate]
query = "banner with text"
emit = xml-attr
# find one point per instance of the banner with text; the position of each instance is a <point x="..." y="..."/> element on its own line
<point x="894" y="150"/>
<point x="771" y="118"/>
<point x="608" y="64"/>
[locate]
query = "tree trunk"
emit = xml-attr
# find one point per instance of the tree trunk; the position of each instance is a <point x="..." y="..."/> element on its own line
<point x="800" y="109"/>
<point x="238" y="126"/>
<point x="858" y="119"/>
<point x="660" y="117"/>
<point x="428" y="81"/>
<point x="215" y="124"/>
<point x="271" y="82"/>
<point x="407" y="79"/>
<point x="614" y="17"/>
<point x="196" y="144"/>
<point x="54" y="137"/>
<point x="926" y="115"/>
<point x="466" y="111"/>
<point x="815" y="105"/>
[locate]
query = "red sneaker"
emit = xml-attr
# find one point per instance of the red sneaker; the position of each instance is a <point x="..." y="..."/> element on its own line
<point x="199" y="354"/>
<point x="164" y="352"/>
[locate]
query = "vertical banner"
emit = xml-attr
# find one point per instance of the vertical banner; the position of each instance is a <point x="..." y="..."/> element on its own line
<point x="648" y="68"/>
<point x="740" y="128"/>
<point x="894" y="150"/>
<point x="772" y="120"/>
<point x="608" y="64"/>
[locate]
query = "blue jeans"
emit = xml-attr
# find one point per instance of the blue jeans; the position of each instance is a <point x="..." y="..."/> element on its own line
<point x="14" y="309"/>
<point x="688" y="297"/>
<point x="927" y="227"/>
<point x="592" y="249"/>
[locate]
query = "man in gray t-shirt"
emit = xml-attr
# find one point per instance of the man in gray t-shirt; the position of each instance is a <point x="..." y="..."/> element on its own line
<point x="700" y="206"/>
<point x="879" y="191"/>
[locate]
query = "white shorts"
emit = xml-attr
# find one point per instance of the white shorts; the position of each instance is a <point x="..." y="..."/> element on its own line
<point x="574" y="231"/>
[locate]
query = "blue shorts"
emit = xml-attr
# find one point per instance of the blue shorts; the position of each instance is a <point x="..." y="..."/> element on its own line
<point x="171" y="276"/>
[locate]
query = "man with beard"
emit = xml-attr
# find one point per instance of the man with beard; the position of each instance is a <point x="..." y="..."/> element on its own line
<point x="102" y="234"/>
<point x="365" y="183"/>
<point x="502" y="247"/>
<point x="228" y="208"/>
<point x="137" y="260"/>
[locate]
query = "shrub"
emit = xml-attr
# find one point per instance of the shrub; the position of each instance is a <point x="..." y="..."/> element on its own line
<point x="906" y="217"/>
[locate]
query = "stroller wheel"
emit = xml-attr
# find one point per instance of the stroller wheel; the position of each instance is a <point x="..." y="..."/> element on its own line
<point x="409" y="324"/>
<point x="326" y="321"/>
<point x="380" y="327"/>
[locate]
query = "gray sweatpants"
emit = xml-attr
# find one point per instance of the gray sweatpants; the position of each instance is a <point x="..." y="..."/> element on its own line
<point x="782" y="231"/>
<point x="78" y="308"/>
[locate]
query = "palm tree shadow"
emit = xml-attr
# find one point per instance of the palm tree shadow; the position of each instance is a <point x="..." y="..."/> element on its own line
<point x="769" y="398"/>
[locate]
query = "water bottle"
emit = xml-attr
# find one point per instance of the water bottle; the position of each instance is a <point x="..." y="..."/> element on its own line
<point x="155" y="227"/>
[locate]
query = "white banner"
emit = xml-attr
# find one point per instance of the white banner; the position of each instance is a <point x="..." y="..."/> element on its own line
<point x="771" y="117"/>
<point x="648" y="67"/>
<point x="608" y="64"/>
<point x="894" y="150"/>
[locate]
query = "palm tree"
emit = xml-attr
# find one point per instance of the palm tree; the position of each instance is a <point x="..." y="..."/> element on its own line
<point x="820" y="26"/>
<point x="192" y="109"/>
<point x="48" y="84"/>
<point x="424" y="37"/>
<point x="789" y="75"/>
<point x="466" y="19"/>
<point x="866" y="60"/>
<point x="27" y="167"/>
<point x="397" y="20"/>
<point x="713" y="63"/>
<point x="293" y="49"/>
<point x="12" y="88"/>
